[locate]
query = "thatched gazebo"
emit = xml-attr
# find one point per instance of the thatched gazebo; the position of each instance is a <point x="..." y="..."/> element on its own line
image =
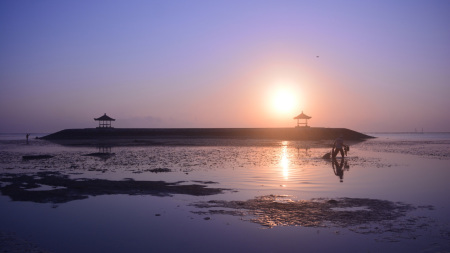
<point x="302" y="116"/>
<point x="104" y="121"/>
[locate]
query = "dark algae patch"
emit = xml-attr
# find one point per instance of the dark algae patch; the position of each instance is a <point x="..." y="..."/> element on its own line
<point x="28" y="187"/>
<point x="361" y="215"/>
<point x="36" y="157"/>
<point x="100" y="154"/>
<point x="159" y="170"/>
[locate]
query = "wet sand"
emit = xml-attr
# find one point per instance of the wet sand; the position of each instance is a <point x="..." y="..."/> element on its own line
<point x="376" y="196"/>
<point x="11" y="243"/>
<point x="359" y="215"/>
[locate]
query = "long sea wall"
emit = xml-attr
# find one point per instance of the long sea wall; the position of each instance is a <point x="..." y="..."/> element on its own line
<point x="301" y="133"/>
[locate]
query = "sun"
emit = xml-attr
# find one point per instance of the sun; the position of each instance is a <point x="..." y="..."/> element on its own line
<point x="284" y="98"/>
<point x="284" y="101"/>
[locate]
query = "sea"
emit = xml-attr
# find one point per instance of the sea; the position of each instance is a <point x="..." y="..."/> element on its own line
<point x="388" y="194"/>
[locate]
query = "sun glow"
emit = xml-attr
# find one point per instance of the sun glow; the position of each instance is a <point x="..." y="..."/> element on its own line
<point x="284" y="101"/>
<point x="285" y="98"/>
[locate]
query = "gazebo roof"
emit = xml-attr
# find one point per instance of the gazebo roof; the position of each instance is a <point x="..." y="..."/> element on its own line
<point x="302" y="116"/>
<point x="105" y="118"/>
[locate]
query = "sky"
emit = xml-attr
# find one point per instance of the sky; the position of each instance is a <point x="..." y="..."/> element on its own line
<point x="370" y="66"/>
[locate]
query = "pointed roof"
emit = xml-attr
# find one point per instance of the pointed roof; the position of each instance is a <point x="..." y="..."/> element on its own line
<point x="105" y="118"/>
<point x="302" y="116"/>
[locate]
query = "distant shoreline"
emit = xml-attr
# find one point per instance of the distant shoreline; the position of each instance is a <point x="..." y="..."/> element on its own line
<point x="301" y="133"/>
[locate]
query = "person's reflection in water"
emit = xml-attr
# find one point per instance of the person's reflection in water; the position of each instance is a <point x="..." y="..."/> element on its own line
<point x="306" y="151"/>
<point x="339" y="167"/>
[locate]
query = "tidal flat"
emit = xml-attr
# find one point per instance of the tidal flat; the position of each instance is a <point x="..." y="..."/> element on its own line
<point x="389" y="194"/>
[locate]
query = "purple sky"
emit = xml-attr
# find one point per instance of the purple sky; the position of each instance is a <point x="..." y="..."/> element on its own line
<point x="364" y="65"/>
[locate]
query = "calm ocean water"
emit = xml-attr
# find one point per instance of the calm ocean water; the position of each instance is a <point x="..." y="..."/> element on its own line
<point x="413" y="136"/>
<point x="20" y="136"/>
<point x="266" y="185"/>
<point x="395" y="135"/>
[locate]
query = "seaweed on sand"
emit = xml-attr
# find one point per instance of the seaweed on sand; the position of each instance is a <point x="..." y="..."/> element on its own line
<point x="36" y="157"/>
<point x="26" y="187"/>
<point x="360" y="215"/>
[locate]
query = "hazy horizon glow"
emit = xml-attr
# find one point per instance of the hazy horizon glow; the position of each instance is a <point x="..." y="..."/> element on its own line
<point x="367" y="66"/>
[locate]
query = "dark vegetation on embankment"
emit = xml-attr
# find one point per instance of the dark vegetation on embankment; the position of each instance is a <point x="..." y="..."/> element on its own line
<point x="304" y="133"/>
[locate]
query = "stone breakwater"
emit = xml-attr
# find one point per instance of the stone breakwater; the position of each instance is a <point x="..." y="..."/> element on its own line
<point x="306" y="133"/>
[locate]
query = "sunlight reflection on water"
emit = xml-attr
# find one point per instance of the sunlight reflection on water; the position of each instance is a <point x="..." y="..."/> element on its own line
<point x="284" y="161"/>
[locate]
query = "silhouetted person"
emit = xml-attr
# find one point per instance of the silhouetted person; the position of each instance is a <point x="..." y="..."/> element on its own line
<point x="338" y="168"/>
<point x="338" y="146"/>
<point x="28" y="135"/>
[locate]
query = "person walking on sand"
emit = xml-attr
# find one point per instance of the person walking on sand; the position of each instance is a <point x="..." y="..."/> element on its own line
<point x="338" y="146"/>
<point x="28" y="135"/>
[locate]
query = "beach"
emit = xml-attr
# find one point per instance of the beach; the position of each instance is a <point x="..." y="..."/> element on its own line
<point x="212" y="126"/>
<point x="219" y="194"/>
